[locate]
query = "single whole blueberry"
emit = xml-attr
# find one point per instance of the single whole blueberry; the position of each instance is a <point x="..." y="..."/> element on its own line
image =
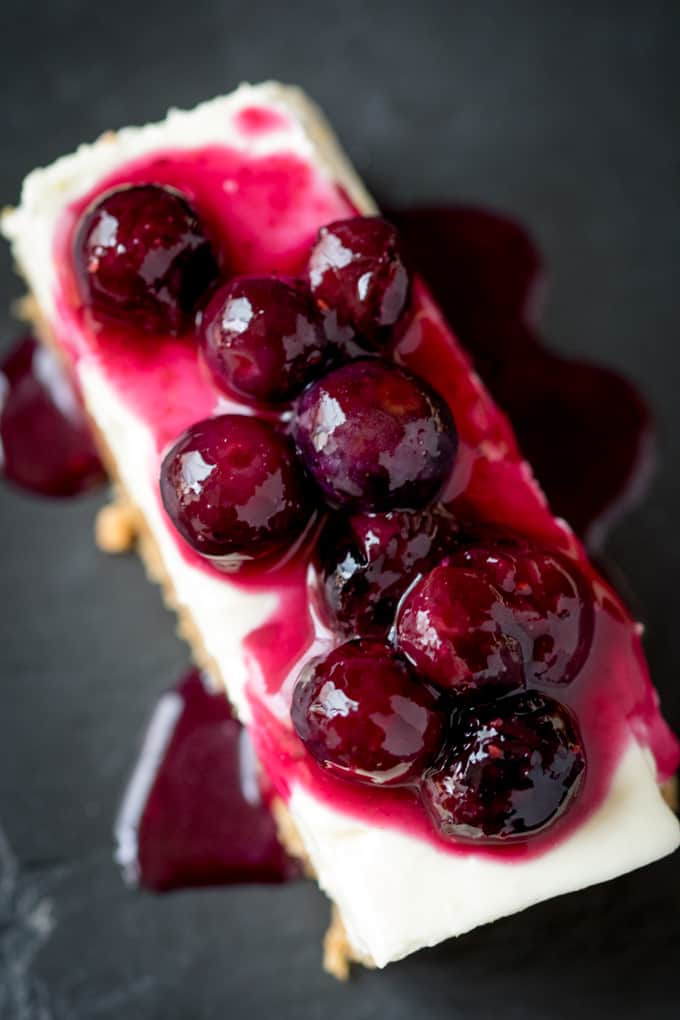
<point x="263" y="338"/>
<point x="456" y="630"/>
<point x="357" y="270"/>
<point x="498" y="615"/>
<point x="142" y="259"/>
<point x="375" y="437"/>
<point x="364" y="717"/>
<point x="551" y="603"/>
<point x="512" y="769"/>
<point x="365" y="562"/>
<point x="234" y="489"/>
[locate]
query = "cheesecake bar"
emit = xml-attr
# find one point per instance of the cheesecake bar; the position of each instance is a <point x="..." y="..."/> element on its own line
<point x="451" y="704"/>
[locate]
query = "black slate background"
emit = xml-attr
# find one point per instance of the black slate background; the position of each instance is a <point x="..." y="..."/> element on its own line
<point x="564" y="114"/>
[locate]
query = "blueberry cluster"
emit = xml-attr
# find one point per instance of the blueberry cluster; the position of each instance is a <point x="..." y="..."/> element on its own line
<point x="448" y="634"/>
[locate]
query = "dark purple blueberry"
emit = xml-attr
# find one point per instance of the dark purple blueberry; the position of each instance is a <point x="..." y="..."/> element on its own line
<point x="550" y="602"/>
<point x="357" y="271"/>
<point x="375" y="437"/>
<point x="365" y="563"/>
<point x="142" y="259"/>
<point x="263" y="337"/>
<point x="363" y="716"/>
<point x="457" y="631"/>
<point x="513" y="768"/>
<point x="233" y="488"/>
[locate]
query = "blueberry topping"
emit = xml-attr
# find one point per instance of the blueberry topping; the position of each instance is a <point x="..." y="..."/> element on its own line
<point x="455" y="628"/>
<point x="551" y="603"/>
<point x="263" y="338"/>
<point x="512" y="769"/>
<point x="375" y="437"/>
<point x="357" y="269"/>
<point x="364" y="717"/>
<point x="365" y="562"/>
<point x="142" y="259"/>
<point x="233" y="488"/>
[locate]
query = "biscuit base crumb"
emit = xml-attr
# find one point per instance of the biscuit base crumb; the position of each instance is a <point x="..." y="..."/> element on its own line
<point x="669" y="792"/>
<point x="115" y="529"/>
<point x="338" y="954"/>
<point x="289" y="837"/>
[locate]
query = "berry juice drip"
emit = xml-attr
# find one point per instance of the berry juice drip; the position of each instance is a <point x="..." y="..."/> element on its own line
<point x="45" y="443"/>
<point x="573" y="419"/>
<point x="194" y="813"/>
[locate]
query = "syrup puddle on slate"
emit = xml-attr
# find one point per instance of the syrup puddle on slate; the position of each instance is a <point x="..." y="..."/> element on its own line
<point x="586" y="430"/>
<point x="45" y="443"/>
<point x="193" y="813"/>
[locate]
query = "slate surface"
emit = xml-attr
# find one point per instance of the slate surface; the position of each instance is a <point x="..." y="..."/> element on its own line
<point x="565" y="115"/>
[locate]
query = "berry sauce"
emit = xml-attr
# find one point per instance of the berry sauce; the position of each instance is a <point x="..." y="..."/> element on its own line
<point x="45" y="443"/>
<point x="570" y="416"/>
<point x="194" y="812"/>
<point x="264" y="213"/>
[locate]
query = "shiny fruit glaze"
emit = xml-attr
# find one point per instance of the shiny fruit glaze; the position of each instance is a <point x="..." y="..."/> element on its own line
<point x="363" y="715"/>
<point x="194" y="813"/>
<point x="234" y="489"/>
<point x="455" y="629"/>
<point x="504" y="614"/>
<point x="365" y="562"/>
<point x="263" y="338"/>
<point x="357" y="271"/>
<point x="264" y="214"/>
<point x="375" y="438"/>
<point x="514" y="767"/>
<point x="45" y="443"/>
<point x="143" y="259"/>
<point x="551" y="604"/>
<point x="570" y="416"/>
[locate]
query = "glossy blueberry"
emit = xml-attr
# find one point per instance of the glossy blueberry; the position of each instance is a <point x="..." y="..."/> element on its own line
<point x="234" y="489"/>
<point x="365" y="562"/>
<point x="455" y="628"/>
<point x="375" y="437"/>
<point x="142" y="259"/>
<point x="512" y="769"/>
<point x="551" y="603"/>
<point x="497" y="616"/>
<point x="364" y="717"/>
<point x="263" y="338"/>
<point x="357" y="271"/>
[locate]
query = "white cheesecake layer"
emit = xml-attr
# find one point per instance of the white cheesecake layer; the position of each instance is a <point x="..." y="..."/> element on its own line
<point x="395" y="893"/>
<point x="398" y="894"/>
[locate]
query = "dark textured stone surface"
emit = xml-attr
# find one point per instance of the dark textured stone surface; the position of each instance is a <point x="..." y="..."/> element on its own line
<point x="563" y="115"/>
